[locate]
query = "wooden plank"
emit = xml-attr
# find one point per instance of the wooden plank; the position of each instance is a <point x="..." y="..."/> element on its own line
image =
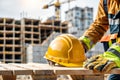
<point x="72" y="71"/>
<point x="17" y="70"/>
<point x="44" y="77"/>
<point x="4" y="71"/>
<point x="8" y="77"/>
<point x="114" y="71"/>
<point x="87" y="77"/>
<point x="81" y="71"/>
<point x="95" y="77"/>
<point x="76" y="77"/>
<point x="36" y="68"/>
<point x="42" y="69"/>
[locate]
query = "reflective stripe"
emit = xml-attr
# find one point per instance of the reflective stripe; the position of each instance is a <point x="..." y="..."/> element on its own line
<point x="87" y="41"/>
<point x="110" y="43"/>
<point x="114" y="51"/>
<point x="116" y="46"/>
<point x="114" y="22"/>
<point x="114" y="29"/>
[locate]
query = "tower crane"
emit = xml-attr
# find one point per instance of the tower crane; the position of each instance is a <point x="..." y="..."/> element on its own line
<point x="57" y="6"/>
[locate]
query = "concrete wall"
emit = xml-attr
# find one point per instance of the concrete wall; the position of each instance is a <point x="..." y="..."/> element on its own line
<point x="35" y="53"/>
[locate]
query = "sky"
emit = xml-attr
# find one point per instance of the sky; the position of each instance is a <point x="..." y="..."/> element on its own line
<point x="18" y="9"/>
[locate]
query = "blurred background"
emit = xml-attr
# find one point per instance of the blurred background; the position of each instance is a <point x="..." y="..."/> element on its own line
<point x="33" y="8"/>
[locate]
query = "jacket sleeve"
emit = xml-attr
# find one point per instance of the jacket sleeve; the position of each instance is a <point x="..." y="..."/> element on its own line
<point x="99" y="26"/>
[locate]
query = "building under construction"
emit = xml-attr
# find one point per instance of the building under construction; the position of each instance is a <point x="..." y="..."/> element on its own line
<point x="16" y="34"/>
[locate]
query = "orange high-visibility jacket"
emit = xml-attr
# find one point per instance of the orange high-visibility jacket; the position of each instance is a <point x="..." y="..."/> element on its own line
<point x="105" y="21"/>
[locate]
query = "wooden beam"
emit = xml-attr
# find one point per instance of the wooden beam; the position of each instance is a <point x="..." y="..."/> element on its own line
<point x="9" y="77"/>
<point x="81" y="71"/>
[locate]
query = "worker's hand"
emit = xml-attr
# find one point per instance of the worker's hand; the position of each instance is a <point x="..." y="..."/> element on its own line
<point x="99" y="64"/>
<point x="106" y="61"/>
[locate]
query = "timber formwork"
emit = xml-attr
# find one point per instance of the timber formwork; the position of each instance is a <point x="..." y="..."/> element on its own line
<point x="16" y="34"/>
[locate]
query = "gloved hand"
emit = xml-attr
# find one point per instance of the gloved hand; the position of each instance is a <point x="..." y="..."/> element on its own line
<point x="106" y="61"/>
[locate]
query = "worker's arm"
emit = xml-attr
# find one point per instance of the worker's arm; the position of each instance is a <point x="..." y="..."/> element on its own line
<point x="106" y="61"/>
<point x="97" y="28"/>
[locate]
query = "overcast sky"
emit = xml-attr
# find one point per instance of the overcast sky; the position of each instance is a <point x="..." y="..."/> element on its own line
<point x="33" y="8"/>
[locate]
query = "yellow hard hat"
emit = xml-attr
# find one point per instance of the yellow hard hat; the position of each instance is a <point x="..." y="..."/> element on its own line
<point x="66" y="50"/>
